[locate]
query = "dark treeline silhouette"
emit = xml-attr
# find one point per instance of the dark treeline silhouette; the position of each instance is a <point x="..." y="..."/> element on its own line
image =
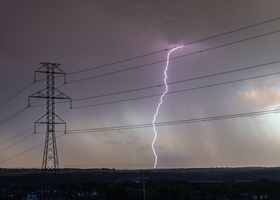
<point x="161" y="184"/>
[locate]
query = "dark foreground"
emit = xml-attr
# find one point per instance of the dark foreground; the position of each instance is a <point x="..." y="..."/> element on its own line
<point x="169" y="184"/>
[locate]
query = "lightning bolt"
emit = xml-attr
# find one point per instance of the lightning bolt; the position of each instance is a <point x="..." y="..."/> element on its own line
<point x="159" y="104"/>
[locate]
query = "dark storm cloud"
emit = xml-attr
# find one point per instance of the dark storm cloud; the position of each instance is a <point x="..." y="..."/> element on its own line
<point x="84" y="34"/>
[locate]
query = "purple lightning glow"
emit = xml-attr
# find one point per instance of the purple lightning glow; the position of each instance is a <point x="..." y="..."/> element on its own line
<point x="159" y="104"/>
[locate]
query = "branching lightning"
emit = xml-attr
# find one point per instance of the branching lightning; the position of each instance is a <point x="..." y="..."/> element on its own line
<point x="159" y="104"/>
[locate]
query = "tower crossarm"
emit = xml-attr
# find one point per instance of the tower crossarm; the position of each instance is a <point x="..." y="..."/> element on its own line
<point x="50" y="166"/>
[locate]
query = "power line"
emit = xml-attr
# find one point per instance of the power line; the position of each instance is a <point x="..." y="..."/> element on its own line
<point x="22" y="133"/>
<point x="12" y="116"/>
<point x="167" y="123"/>
<point x="176" y="122"/>
<point x="173" y="58"/>
<point x="155" y="95"/>
<point x="226" y="72"/>
<point x="186" y="44"/>
<point x="15" y="114"/>
<point x="144" y="55"/>
<point x="20" y="91"/>
<point x="175" y="82"/>
<point x="13" y="144"/>
<point x="18" y="79"/>
<point x="179" y="91"/>
<point x="18" y="135"/>
<point x="146" y="29"/>
<point x="160" y="123"/>
<point x="21" y="140"/>
<point x="16" y="94"/>
<point x="19" y="154"/>
<point x="180" y="81"/>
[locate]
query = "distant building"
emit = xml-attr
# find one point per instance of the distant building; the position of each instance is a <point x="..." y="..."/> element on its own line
<point x="93" y="194"/>
<point x="263" y="197"/>
<point x="31" y="197"/>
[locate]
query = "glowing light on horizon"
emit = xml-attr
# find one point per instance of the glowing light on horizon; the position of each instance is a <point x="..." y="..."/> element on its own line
<point x="159" y="104"/>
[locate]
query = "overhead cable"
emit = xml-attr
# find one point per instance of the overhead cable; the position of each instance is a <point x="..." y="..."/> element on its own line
<point x="176" y="57"/>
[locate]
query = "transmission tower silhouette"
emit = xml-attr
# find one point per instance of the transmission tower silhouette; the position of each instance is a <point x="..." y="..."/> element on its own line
<point x="50" y="166"/>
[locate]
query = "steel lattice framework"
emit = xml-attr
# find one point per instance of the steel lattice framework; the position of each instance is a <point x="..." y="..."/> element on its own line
<point x="50" y="164"/>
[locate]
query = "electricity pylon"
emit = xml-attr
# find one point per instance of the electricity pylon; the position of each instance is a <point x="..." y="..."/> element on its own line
<point x="50" y="166"/>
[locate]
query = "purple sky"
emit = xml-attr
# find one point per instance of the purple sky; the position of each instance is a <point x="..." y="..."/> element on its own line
<point x="84" y="34"/>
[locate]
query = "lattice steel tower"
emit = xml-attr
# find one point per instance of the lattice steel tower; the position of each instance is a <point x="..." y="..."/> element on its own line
<point x="50" y="166"/>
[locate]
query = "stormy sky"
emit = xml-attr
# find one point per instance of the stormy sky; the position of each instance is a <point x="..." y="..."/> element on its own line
<point x="108" y="47"/>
